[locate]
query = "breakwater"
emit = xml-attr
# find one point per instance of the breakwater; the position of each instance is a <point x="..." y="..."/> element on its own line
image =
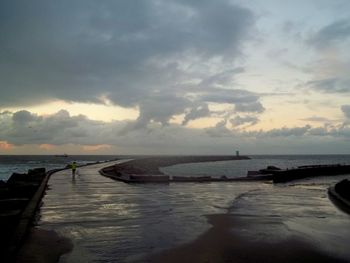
<point x="20" y="196"/>
<point x="147" y="170"/>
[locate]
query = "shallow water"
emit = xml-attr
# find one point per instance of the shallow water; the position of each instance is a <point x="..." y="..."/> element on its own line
<point x="302" y="208"/>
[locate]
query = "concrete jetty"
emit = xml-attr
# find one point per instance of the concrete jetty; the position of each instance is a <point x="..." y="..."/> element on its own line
<point x="96" y="219"/>
<point x="147" y="170"/>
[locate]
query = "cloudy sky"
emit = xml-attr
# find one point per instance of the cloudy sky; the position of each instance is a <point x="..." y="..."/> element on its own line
<point x="174" y="76"/>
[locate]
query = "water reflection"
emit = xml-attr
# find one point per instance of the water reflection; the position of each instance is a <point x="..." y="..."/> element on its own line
<point x="114" y="222"/>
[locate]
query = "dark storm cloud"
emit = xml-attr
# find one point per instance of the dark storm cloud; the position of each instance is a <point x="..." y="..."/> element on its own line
<point x="23" y="117"/>
<point x="332" y="33"/>
<point x="243" y="100"/>
<point x="220" y="130"/>
<point x="160" y="108"/>
<point x="330" y="85"/>
<point x="131" y="52"/>
<point x="196" y="113"/>
<point x="346" y="110"/>
<point x="221" y="78"/>
<point x="331" y="44"/>
<point x="23" y="127"/>
<point x="245" y="120"/>
<point x="218" y="95"/>
<point x="250" y="107"/>
<point x="317" y="119"/>
<point x="297" y="131"/>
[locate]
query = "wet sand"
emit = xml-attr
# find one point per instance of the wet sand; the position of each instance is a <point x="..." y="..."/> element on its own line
<point x="220" y="245"/>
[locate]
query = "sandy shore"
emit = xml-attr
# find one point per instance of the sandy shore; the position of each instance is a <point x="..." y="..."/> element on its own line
<point x="151" y="165"/>
<point x="220" y="244"/>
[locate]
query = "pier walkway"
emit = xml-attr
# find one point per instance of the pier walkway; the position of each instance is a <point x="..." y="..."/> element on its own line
<point x="110" y="221"/>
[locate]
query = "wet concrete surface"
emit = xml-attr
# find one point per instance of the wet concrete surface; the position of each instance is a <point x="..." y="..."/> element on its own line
<point x="109" y="221"/>
<point x="300" y="210"/>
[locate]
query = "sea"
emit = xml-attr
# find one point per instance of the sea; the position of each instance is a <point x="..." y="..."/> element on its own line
<point x="21" y="163"/>
<point x="240" y="168"/>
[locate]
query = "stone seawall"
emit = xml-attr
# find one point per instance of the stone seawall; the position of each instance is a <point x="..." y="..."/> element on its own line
<point x="20" y="197"/>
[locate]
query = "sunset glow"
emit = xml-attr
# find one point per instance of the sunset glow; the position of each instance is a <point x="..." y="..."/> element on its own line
<point x="257" y="75"/>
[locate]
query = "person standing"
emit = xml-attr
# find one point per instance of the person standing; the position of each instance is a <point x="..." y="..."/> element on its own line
<point x="74" y="168"/>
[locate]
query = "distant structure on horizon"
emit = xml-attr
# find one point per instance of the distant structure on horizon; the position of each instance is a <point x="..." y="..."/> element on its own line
<point x="62" y="155"/>
<point x="237" y="153"/>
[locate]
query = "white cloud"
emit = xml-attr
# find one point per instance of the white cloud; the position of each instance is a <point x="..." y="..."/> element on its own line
<point x="59" y="129"/>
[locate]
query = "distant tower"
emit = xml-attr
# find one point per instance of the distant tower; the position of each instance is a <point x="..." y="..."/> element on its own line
<point x="237" y="153"/>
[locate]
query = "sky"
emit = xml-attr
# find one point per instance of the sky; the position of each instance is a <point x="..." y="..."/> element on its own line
<point x="174" y="77"/>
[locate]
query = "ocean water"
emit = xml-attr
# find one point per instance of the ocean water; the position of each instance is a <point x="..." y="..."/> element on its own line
<point x="21" y="163"/>
<point x="240" y="168"/>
